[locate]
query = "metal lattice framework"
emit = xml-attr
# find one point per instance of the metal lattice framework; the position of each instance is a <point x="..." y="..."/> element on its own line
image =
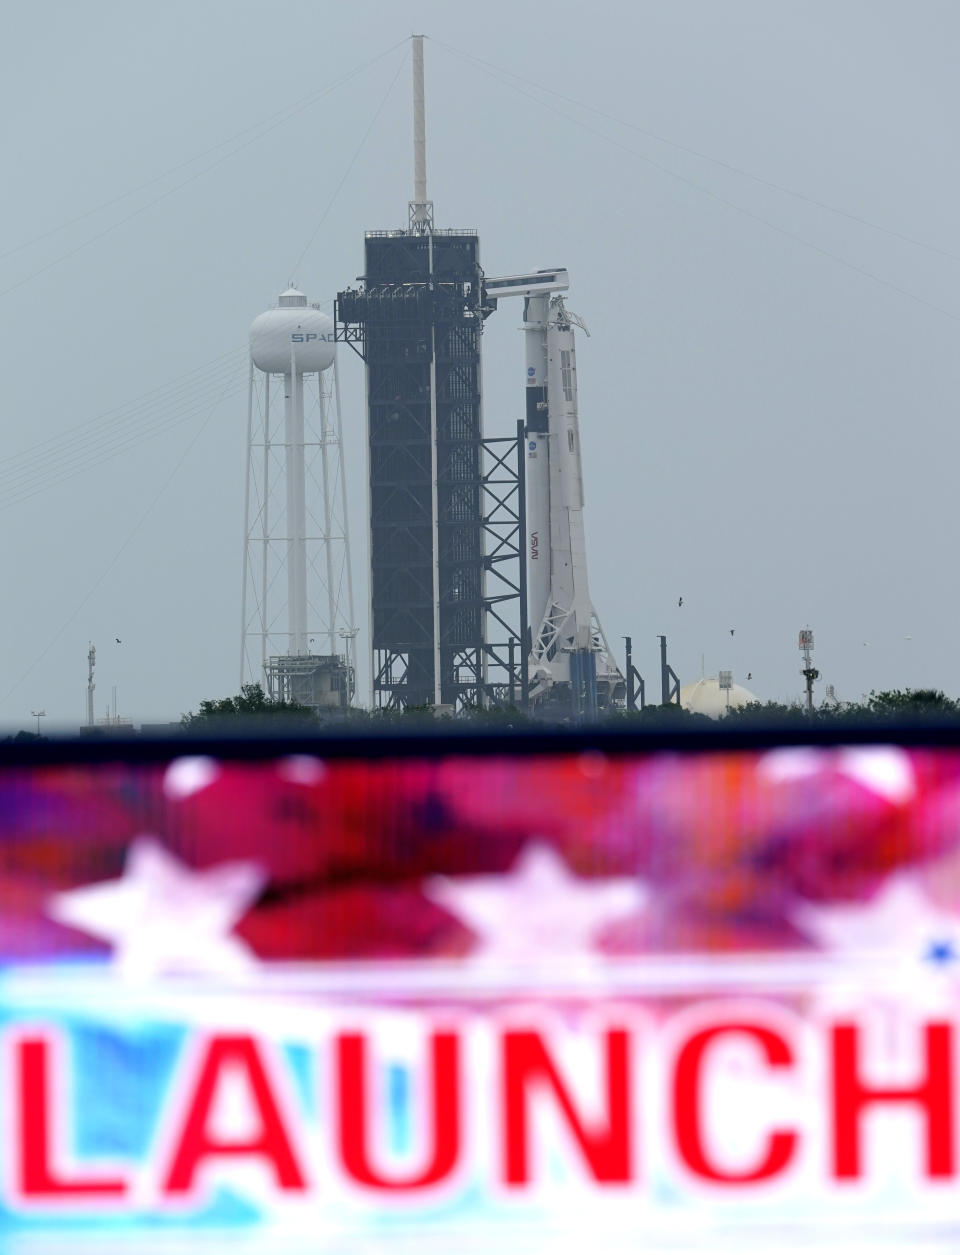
<point x="505" y="594"/>
<point x="417" y="321"/>
<point x="324" y="676"/>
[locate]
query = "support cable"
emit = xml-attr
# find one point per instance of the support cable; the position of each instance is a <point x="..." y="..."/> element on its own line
<point x="346" y="174"/>
<point x="260" y="132"/>
<point x="759" y="179"/>
<point x="90" y="443"/>
<point x="725" y="201"/>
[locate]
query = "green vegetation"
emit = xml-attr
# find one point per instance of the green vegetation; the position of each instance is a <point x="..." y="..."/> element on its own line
<point x="250" y="702"/>
<point x="902" y="705"/>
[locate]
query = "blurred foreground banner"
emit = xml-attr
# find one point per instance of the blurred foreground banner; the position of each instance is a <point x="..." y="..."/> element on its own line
<point x="662" y="1002"/>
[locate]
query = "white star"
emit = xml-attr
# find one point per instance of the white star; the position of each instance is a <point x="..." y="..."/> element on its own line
<point x="301" y="769"/>
<point x="186" y="776"/>
<point x="884" y="769"/>
<point x="537" y="911"/>
<point x="899" y="922"/>
<point x="163" y="917"/>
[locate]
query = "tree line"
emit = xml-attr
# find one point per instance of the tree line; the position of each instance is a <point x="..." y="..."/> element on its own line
<point x="921" y="704"/>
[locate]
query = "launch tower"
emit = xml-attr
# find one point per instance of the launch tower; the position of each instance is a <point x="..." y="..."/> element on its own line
<point x="420" y="320"/>
<point x="417" y="320"/>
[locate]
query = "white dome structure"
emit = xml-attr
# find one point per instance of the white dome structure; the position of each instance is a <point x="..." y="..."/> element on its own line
<point x="706" y="697"/>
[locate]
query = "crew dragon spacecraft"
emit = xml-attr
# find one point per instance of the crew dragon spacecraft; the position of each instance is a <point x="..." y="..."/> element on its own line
<point x="567" y="651"/>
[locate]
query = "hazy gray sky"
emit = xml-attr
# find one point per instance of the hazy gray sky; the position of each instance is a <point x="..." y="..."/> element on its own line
<point x="768" y="397"/>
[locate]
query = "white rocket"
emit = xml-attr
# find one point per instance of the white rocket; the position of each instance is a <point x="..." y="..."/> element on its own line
<point x="568" y="645"/>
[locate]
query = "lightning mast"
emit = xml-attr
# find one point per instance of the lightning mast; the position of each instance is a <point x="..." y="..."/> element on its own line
<point x="421" y="209"/>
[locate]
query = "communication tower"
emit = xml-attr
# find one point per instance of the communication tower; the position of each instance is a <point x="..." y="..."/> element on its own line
<point x="808" y="671"/>
<point x="91" y="663"/>
<point x="298" y="629"/>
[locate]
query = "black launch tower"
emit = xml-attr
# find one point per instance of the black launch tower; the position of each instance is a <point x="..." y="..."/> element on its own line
<point x="446" y="505"/>
<point x="417" y="319"/>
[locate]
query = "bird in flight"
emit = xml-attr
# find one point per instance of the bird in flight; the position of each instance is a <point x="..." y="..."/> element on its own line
<point x="680" y="602"/>
<point x="118" y="640"/>
<point x="749" y="675"/>
<point x="732" y="630"/>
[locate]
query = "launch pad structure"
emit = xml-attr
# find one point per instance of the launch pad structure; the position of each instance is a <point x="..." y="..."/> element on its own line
<point x="439" y="493"/>
<point x="479" y="595"/>
<point x="445" y="504"/>
<point x="478" y="582"/>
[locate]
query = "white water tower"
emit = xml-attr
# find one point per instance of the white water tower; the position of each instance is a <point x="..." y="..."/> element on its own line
<point x="298" y="627"/>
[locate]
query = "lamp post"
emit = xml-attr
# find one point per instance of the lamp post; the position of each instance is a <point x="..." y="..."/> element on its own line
<point x="38" y="715"/>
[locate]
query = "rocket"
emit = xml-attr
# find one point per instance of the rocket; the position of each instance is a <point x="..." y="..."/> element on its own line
<point x="567" y="644"/>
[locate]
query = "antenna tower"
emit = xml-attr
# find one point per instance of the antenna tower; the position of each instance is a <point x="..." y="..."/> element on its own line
<point x="808" y="671"/>
<point x="91" y="663"/>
